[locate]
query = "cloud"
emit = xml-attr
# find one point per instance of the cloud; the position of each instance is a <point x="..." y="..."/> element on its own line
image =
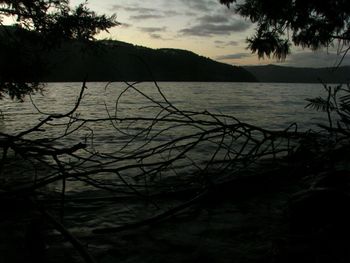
<point x="154" y="32"/>
<point x="223" y="44"/>
<point x="216" y="23"/>
<point x="146" y="16"/>
<point x="205" y="30"/>
<point x="152" y="29"/>
<point x="155" y="36"/>
<point x="232" y="43"/>
<point x="218" y="18"/>
<point x="158" y="36"/>
<point x="133" y="8"/>
<point x="234" y="56"/>
<point x="125" y="25"/>
<point x="144" y="13"/>
<point x="200" y="5"/>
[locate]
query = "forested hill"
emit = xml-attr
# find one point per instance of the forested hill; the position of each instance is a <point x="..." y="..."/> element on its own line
<point x="107" y="60"/>
<point x="273" y="73"/>
<point x="118" y="61"/>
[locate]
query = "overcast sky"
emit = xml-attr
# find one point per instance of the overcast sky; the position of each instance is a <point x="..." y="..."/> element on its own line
<point x="202" y="26"/>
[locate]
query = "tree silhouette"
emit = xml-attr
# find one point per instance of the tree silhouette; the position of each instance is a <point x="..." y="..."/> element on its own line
<point x="306" y="23"/>
<point x="53" y="21"/>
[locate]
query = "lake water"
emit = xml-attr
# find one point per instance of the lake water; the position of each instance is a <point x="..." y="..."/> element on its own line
<point x="269" y="105"/>
<point x="273" y="106"/>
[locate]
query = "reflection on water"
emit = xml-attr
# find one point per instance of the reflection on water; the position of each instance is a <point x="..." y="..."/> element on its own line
<point x="272" y="106"/>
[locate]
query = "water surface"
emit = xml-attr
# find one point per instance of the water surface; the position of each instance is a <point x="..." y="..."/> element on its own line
<point x="269" y="105"/>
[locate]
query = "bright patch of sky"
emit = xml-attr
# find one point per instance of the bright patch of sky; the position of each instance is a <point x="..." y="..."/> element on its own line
<point x="202" y="26"/>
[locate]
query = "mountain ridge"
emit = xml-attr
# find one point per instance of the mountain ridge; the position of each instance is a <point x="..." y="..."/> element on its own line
<point x="113" y="60"/>
<point x="104" y="60"/>
<point x="286" y="74"/>
<point x="122" y="61"/>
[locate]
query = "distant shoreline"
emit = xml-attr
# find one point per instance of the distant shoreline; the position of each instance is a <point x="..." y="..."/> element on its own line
<point x="284" y="74"/>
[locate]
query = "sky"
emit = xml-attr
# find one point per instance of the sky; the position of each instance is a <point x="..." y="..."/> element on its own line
<point x="203" y="26"/>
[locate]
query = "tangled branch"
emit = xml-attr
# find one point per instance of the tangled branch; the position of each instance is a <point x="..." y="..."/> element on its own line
<point x="164" y="151"/>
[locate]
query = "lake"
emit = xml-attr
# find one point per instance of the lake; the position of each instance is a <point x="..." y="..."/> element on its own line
<point x="269" y="105"/>
<point x="272" y="106"/>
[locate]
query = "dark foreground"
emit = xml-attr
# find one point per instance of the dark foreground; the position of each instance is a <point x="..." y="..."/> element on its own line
<point x="289" y="212"/>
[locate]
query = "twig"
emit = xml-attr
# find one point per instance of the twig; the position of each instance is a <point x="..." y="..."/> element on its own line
<point x="74" y="241"/>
